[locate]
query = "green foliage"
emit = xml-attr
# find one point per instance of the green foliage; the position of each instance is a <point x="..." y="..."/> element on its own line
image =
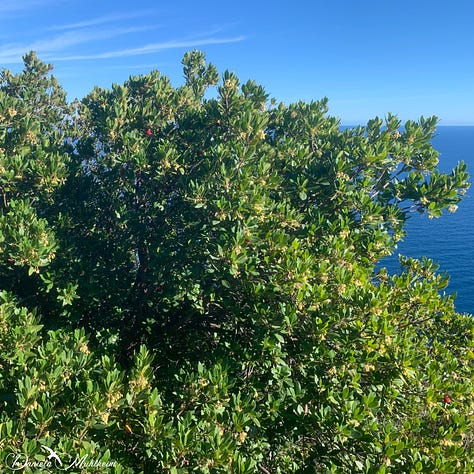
<point x="34" y="117"/>
<point x="193" y="283"/>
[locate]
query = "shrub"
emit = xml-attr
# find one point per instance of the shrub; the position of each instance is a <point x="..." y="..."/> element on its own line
<point x="221" y="256"/>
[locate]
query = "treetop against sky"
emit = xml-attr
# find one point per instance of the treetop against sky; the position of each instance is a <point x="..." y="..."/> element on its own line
<point x="368" y="58"/>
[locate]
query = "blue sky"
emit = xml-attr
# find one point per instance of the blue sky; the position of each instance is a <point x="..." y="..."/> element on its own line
<point x="368" y="57"/>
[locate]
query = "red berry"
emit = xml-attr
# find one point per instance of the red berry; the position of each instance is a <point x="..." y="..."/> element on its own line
<point x="447" y="399"/>
<point x="148" y="132"/>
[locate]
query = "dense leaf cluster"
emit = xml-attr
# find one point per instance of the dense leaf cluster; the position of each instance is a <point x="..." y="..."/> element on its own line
<point x="189" y="283"/>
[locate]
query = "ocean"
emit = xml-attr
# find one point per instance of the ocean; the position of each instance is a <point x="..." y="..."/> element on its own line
<point x="448" y="240"/>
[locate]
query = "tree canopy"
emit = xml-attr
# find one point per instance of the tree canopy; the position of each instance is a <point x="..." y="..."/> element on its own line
<point x="191" y="282"/>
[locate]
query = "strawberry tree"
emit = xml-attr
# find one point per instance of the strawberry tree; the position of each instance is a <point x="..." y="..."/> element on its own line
<point x="212" y="260"/>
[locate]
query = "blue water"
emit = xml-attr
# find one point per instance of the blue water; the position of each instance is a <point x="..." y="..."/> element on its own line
<point x="448" y="240"/>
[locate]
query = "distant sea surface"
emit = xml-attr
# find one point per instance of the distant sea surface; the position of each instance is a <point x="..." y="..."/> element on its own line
<point x="448" y="240"/>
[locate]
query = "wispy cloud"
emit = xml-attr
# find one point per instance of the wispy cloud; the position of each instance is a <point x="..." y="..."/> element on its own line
<point x="101" y="20"/>
<point x="47" y="48"/>
<point x="149" y="49"/>
<point x="139" y="67"/>
<point x="85" y="38"/>
<point x="16" y="6"/>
